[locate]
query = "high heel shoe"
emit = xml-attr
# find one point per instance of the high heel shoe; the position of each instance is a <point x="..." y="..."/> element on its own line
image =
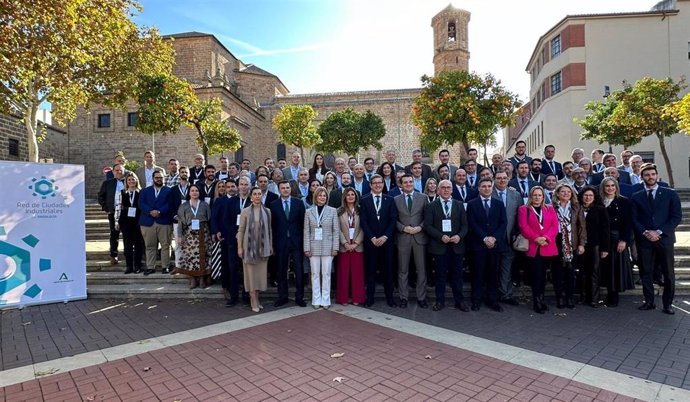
<point x="193" y="283"/>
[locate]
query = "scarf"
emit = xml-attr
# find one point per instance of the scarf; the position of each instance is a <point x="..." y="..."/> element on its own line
<point x="254" y="253"/>
<point x="607" y="202"/>
<point x="564" y="220"/>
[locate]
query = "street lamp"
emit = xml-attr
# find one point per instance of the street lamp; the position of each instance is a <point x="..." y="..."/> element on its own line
<point x="607" y="92"/>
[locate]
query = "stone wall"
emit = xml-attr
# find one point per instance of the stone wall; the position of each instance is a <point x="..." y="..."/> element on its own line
<point x="54" y="146"/>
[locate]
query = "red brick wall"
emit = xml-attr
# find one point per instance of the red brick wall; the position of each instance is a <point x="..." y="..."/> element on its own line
<point x="573" y="36"/>
<point x="573" y="75"/>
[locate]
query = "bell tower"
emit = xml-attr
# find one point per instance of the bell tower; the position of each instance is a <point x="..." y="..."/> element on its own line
<point x="450" y="39"/>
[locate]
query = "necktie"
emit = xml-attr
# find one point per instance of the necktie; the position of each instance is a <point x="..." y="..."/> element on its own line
<point x="446" y="206"/>
<point x="462" y="193"/>
<point x="287" y="209"/>
<point x="553" y="167"/>
<point x="503" y="197"/>
<point x="550" y="195"/>
<point x="378" y="202"/>
<point x="471" y="181"/>
<point x="409" y="203"/>
<point x="486" y="207"/>
<point x="524" y="187"/>
<point x="650" y="197"/>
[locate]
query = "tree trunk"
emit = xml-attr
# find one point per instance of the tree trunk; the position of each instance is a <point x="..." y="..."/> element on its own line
<point x="204" y="143"/>
<point x="31" y="123"/>
<point x="667" y="161"/>
<point x="486" y="157"/>
<point x="466" y="146"/>
<point x="301" y="155"/>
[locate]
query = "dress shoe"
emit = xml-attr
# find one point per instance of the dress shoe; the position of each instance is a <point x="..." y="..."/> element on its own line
<point x="168" y="270"/>
<point x="646" y="307"/>
<point x="438" y="307"/>
<point x="538" y="309"/>
<point x="462" y="306"/>
<point x="280" y="302"/>
<point x="668" y="310"/>
<point x="510" y="301"/>
<point x="569" y="303"/>
<point x="326" y="307"/>
<point x="403" y="303"/>
<point x="475" y="306"/>
<point x="114" y="261"/>
<point x="315" y="306"/>
<point x="230" y="303"/>
<point x="148" y="272"/>
<point x="129" y="271"/>
<point x="392" y="304"/>
<point x="543" y="306"/>
<point x="422" y="304"/>
<point x="300" y="303"/>
<point x="496" y="307"/>
<point x="368" y="303"/>
<point x="560" y="303"/>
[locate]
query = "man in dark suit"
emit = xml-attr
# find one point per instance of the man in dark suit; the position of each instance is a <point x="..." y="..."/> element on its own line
<point x="106" y="199"/>
<point x="535" y="171"/>
<point x="444" y="157"/>
<point x="156" y="222"/>
<point x="390" y="158"/>
<point x="379" y="217"/>
<point x="207" y="187"/>
<point x="287" y="221"/>
<point x="196" y="173"/>
<point x="225" y="224"/>
<point x="656" y="213"/>
<point x="487" y="221"/>
<point x="411" y="240"/>
<point x="610" y="161"/>
<point x="473" y="155"/>
<point x="472" y="173"/>
<point x="418" y="178"/>
<point x="417" y="157"/>
<point x="461" y="191"/>
<point x="359" y="181"/>
<point x="445" y="221"/>
<point x="511" y="200"/>
<point x="550" y="166"/>
<point x="267" y="197"/>
<point x="521" y="182"/>
<point x="300" y="188"/>
<point x="520" y="155"/>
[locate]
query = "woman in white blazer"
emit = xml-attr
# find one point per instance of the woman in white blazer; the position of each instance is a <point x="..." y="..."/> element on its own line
<point x="321" y="242"/>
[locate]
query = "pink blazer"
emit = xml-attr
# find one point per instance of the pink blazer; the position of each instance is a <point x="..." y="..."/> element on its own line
<point x="530" y="229"/>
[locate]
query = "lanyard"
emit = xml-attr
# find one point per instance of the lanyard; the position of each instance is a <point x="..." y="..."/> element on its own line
<point x="183" y="192"/>
<point x="194" y="210"/>
<point x="131" y="199"/>
<point x="243" y="201"/>
<point x="207" y="189"/>
<point x="351" y="218"/>
<point x="450" y="208"/>
<point x="319" y="216"/>
<point x="540" y="215"/>
<point x="156" y="192"/>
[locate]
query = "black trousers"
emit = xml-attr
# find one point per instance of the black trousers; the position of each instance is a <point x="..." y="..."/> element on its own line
<point x="114" y="234"/>
<point x="538" y="265"/>
<point x="230" y="274"/>
<point x="283" y="261"/>
<point x="445" y="264"/>
<point x="661" y="256"/>
<point x="382" y="258"/>
<point x="486" y="270"/>
<point x="134" y="246"/>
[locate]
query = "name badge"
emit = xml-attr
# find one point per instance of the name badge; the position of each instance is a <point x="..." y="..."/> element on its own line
<point x="131" y="212"/>
<point x="195" y="224"/>
<point x="238" y="220"/>
<point x="351" y="233"/>
<point x="207" y="200"/>
<point x="184" y="201"/>
<point x="446" y="226"/>
<point x="318" y="234"/>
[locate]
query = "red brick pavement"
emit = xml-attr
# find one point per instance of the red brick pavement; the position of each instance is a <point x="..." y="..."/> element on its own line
<point x="290" y="360"/>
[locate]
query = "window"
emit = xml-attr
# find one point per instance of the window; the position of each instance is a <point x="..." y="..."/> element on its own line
<point x="688" y="50"/>
<point x="104" y="120"/>
<point x="132" y="118"/>
<point x="647" y="156"/>
<point x="280" y="151"/>
<point x="13" y="147"/>
<point x="239" y="154"/>
<point x="451" y="32"/>
<point x="556" y="83"/>
<point x="555" y="46"/>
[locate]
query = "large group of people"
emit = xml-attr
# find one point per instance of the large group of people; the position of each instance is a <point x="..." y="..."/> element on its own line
<point x="584" y="221"/>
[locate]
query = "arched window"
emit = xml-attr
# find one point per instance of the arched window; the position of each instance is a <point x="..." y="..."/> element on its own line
<point x="280" y="151"/>
<point x="451" y="32"/>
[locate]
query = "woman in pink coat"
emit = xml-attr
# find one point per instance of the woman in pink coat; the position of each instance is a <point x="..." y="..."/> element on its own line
<point x="538" y="223"/>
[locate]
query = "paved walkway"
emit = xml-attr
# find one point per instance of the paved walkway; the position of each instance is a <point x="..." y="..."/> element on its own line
<point x="286" y="354"/>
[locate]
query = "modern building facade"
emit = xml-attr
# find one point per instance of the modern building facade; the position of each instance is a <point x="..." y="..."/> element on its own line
<point x="583" y="57"/>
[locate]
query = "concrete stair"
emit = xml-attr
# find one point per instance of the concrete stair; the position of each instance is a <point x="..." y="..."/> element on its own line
<point x="108" y="281"/>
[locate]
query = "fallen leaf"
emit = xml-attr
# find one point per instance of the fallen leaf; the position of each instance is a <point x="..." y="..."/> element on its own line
<point x="90" y="398"/>
<point x="177" y="400"/>
<point x="289" y="330"/>
<point x="147" y="368"/>
<point x="154" y="306"/>
<point x="143" y="341"/>
<point x="47" y="372"/>
<point x="337" y="355"/>
<point x="338" y="380"/>
<point x="428" y="357"/>
<point x="388" y="318"/>
<point x="24" y="324"/>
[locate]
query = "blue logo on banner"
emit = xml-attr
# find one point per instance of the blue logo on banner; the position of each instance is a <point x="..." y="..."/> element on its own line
<point x="22" y="261"/>
<point x="43" y="187"/>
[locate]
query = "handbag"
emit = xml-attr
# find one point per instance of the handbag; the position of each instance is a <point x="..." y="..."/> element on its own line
<point x="216" y="260"/>
<point x="520" y="243"/>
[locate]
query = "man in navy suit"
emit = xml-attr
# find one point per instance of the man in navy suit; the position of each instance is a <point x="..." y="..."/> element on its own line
<point x="522" y="182"/>
<point x="461" y="190"/>
<point x="610" y="161"/>
<point x="488" y="222"/>
<point x="379" y="217"/>
<point x="550" y="166"/>
<point x="656" y="213"/>
<point x="359" y="181"/>
<point x="287" y="220"/>
<point x="156" y="222"/>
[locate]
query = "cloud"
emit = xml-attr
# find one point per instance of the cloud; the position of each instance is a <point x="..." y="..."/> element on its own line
<point x="299" y="49"/>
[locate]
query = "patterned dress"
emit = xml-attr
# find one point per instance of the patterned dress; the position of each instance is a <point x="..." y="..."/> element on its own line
<point x="196" y="249"/>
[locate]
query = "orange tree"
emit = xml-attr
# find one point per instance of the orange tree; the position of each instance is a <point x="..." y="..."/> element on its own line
<point x="464" y="107"/>
<point x="72" y="53"/>
<point x="295" y="125"/>
<point x="349" y="131"/>
<point x="598" y="125"/>
<point x="167" y="102"/>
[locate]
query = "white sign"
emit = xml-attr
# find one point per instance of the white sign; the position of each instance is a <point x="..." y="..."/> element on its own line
<point x="42" y="233"/>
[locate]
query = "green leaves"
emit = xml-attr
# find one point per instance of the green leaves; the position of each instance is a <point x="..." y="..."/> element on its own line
<point x="295" y="124"/>
<point x="349" y="131"/>
<point x="459" y="106"/>
<point x="680" y="112"/>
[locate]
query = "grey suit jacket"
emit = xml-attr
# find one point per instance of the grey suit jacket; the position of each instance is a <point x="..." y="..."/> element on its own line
<point x="331" y="231"/>
<point x="513" y="202"/>
<point x="141" y="174"/>
<point x="413" y="218"/>
<point x="287" y="174"/>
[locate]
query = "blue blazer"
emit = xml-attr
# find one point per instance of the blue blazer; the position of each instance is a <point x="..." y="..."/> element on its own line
<point x="665" y="214"/>
<point x="218" y="222"/>
<point x="282" y="225"/>
<point x="481" y="226"/>
<point x="640" y="187"/>
<point x="366" y="189"/>
<point x="515" y="183"/>
<point x="381" y="225"/>
<point x="149" y="202"/>
<point x="546" y="169"/>
<point x="471" y="192"/>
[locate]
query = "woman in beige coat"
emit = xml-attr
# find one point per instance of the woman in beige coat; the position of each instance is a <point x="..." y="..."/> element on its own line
<point x="321" y="240"/>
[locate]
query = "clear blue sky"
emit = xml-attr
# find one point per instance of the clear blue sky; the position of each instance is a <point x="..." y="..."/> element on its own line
<point x="341" y="45"/>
